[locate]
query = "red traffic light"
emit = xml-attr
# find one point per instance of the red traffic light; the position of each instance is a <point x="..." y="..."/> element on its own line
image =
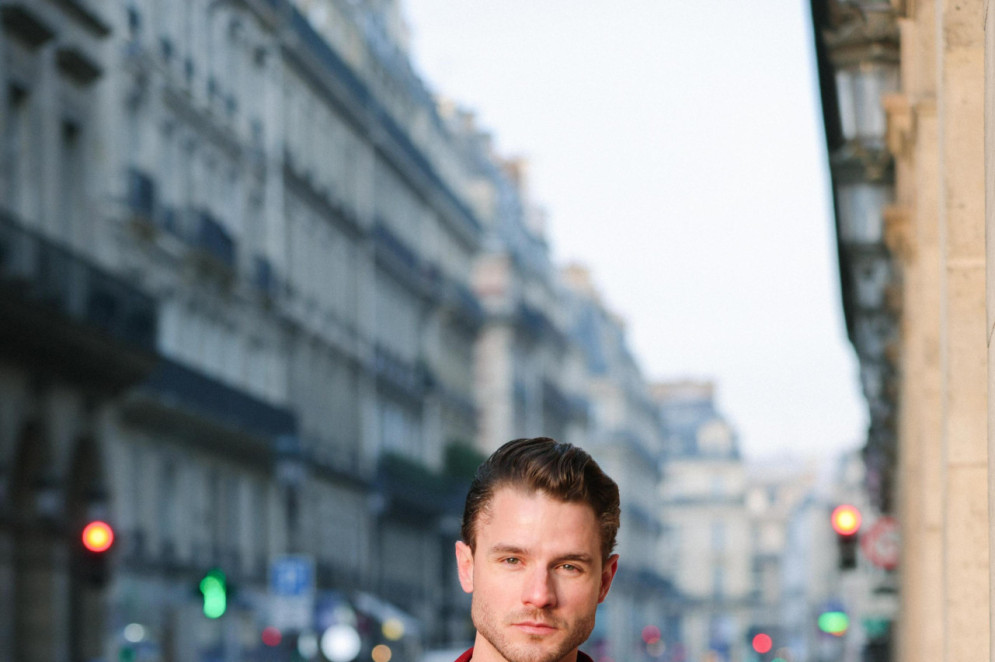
<point x="762" y="643"/>
<point x="846" y="520"/>
<point x="98" y="536"/>
<point x="272" y="636"/>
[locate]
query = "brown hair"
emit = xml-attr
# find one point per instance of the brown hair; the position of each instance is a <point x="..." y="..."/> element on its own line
<point x="561" y="470"/>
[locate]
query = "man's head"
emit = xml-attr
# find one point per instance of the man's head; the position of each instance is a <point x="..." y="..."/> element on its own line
<point x="538" y="532"/>
<point x="560" y="470"/>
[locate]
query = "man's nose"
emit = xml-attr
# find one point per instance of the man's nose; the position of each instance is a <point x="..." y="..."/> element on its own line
<point x="539" y="591"/>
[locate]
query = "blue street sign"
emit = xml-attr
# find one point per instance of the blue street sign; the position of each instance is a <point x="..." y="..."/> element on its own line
<point x="292" y="576"/>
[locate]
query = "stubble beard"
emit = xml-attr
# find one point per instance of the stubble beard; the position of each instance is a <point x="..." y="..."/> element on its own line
<point x="535" y="648"/>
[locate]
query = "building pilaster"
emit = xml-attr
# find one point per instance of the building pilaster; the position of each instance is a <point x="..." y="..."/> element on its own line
<point x="964" y="387"/>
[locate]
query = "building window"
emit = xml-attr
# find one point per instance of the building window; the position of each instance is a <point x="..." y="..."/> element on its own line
<point x="212" y="516"/>
<point x="718" y="581"/>
<point x="18" y="156"/>
<point x="259" y="549"/>
<point x="718" y="537"/>
<point x="167" y="506"/>
<point x="231" y="530"/>
<point x="71" y="178"/>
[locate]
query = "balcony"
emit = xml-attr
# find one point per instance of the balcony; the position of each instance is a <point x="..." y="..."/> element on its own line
<point x="412" y="490"/>
<point x="403" y="377"/>
<point x="78" y="65"/>
<point x="213" y="240"/>
<point x="64" y="314"/>
<point x="209" y="413"/>
<point x="20" y="20"/>
<point x="203" y="399"/>
<point x="264" y="277"/>
<point x="144" y="207"/>
<point x="536" y="324"/>
<point x="398" y="258"/>
<point x="141" y="194"/>
<point x="463" y="304"/>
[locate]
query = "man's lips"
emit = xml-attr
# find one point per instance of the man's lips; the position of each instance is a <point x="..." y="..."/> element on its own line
<point x="534" y="627"/>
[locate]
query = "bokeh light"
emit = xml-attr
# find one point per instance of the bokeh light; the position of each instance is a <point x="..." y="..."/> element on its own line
<point x="762" y="643"/>
<point x="846" y="520"/>
<point x="340" y="643"/>
<point x="307" y="645"/>
<point x="98" y="536"/>
<point x="272" y="636"/>
<point x="344" y="614"/>
<point x="393" y="629"/>
<point x="381" y="653"/>
<point x="134" y="632"/>
<point x="656" y="649"/>
<point x="834" y="622"/>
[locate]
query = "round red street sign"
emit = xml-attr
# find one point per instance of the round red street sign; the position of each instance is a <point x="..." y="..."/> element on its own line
<point x="881" y="544"/>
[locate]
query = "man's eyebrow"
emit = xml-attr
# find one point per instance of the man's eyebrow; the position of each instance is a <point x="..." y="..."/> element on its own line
<point x="579" y="557"/>
<point x="507" y="549"/>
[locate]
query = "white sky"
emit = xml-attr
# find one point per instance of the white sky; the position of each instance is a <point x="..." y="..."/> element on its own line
<point x="677" y="148"/>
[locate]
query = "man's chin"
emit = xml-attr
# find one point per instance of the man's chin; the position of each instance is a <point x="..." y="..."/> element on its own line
<point x="534" y="648"/>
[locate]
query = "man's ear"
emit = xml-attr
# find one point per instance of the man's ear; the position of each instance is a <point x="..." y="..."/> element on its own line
<point x="464" y="564"/>
<point x="607" y="575"/>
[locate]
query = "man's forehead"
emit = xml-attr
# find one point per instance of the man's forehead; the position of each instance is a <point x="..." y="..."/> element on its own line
<point x="515" y="503"/>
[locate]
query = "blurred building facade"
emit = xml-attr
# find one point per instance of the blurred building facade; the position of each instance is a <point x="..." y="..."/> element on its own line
<point x="263" y="298"/>
<point x="794" y="561"/>
<point x="906" y="91"/>
<point x="706" y="549"/>
<point x="239" y="261"/>
<point x="747" y="546"/>
<point x="809" y="577"/>
<point x="624" y="436"/>
<point x="523" y="352"/>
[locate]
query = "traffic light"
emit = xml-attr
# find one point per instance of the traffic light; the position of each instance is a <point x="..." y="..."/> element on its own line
<point x="846" y="523"/>
<point x="762" y="642"/>
<point x="92" y="556"/>
<point x="834" y="622"/>
<point x="214" y="589"/>
<point x="98" y="536"/>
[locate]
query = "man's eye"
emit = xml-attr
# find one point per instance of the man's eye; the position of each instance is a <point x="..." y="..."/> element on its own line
<point x="511" y="561"/>
<point x="570" y="567"/>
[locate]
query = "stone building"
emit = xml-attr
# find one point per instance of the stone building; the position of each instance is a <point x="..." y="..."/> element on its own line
<point x="624" y="437"/>
<point x="264" y="299"/>
<point x="906" y="91"/>
<point x="707" y="547"/>
<point x="792" y="556"/>
<point x="237" y="244"/>
<point x="523" y="348"/>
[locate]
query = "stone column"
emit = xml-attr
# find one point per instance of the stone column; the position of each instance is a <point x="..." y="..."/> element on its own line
<point x="963" y="328"/>
<point x="913" y="237"/>
<point x="990" y="274"/>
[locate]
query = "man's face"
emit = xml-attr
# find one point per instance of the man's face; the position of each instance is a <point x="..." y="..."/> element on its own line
<point x="536" y="577"/>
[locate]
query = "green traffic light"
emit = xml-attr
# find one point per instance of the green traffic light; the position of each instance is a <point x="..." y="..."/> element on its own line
<point x="215" y="592"/>
<point x="834" y="622"/>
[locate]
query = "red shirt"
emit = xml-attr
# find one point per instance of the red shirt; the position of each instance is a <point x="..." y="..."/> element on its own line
<point x="581" y="656"/>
